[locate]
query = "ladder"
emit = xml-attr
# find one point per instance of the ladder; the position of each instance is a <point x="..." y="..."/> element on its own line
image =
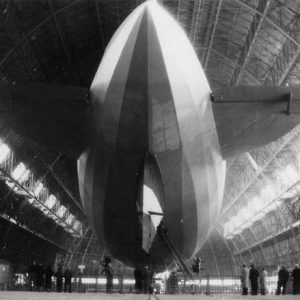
<point x="169" y="245"/>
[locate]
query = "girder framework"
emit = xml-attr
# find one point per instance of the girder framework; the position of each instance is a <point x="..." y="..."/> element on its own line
<point x="274" y="234"/>
<point x="29" y="191"/>
<point x="273" y="25"/>
<point x="280" y="240"/>
<point x="250" y="40"/>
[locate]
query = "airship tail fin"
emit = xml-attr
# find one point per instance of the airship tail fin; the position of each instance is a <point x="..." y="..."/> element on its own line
<point x="249" y="117"/>
<point x="54" y="116"/>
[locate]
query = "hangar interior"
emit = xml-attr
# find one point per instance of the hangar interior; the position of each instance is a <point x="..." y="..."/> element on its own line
<point x="239" y="42"/>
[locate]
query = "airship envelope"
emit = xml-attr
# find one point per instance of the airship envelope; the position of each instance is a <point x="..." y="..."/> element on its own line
<point x="151" y="96"/>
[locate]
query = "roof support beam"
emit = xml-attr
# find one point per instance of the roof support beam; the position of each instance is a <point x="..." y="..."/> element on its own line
<point x="178" y="10"/>
<point x="230" y="250"/>
<point x="267" y="241"/>
<point x="240" y="234"/>
<point x="280" y="29"/>
<point x="75" y="247"/>
<point x="291" y="229"/>
<point x="99" y="23"/>
<point x="248" y="249"/>
<point x="287" y="208"/>
<point x="15" y="47"/>
<point x="193" y="36"/>
<point x="213" y="33"/>
<point x="274" y="238"/>
<point x="234" y="64"/>
<point x="286" y="141"/>
<point x="283" y="65"/>
<point x="118" y="11"/>
<point x="214" y="255"/>
<point x="260" y="246"/>
<point x="51" y="171"/>
<point x="225" y="241"/>
<point x="252" y="162"/>
<point x="39" y="235"/>
<point x="11" y="190"/>
<point x="288" y="55"/>
<point x="87" y="247"/>
<point x="250" y="40"/>
<point x="62" y="42"/>
<point x="30" y="195"/>
<point x="265" y="226"/>
<point x="30" y="33"/>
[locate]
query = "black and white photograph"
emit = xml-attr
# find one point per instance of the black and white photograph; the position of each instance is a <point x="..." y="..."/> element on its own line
<point x="149" y="149"/>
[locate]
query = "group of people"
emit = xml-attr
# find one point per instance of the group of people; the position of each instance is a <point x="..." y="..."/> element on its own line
<point x="67" y="276"/>
<point x="283" y="278"/>
<point x="258" y="279"/>
<point x="253" y="276"/>
<point x="40" y="278"/>
<point x="143" y="280"/>
<point x="143" y="277"/>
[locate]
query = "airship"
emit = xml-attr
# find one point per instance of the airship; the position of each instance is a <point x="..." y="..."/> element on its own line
<point x="150" y="136"/>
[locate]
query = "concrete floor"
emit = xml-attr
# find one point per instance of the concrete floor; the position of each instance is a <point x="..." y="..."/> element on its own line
<point x="75" y="296"/>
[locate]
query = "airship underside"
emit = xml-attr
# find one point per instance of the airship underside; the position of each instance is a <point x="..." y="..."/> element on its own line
<point x="152" y="105"/>
<point x="151" y="140"/>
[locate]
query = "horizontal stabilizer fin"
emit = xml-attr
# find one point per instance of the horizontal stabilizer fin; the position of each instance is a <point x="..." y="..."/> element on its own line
<point x="54" y="116"/>
<point x="249" y="117"/>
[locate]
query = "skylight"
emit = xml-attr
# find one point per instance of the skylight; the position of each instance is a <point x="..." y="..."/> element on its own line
<point x="267" y="193"/>
<point x="256" y="209"/>
<point x="34" y="189"/>
<point x="245" y="213"/>
<point x="61" y="211"/>
<point x="256" y="203"/>
<point x="77" y="226"/>
<point x="4" y="152"/>
<point x="50" y="202"/>
<point x="31" y="200"/>
<point x="20" y="173"/>
<point x="38" y="189"/>
<point x="70" y="219"/>
<point x="291" y="173"/>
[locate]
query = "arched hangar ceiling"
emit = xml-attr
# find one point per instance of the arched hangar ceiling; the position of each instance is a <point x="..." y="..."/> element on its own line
<point x="239" y="42"/>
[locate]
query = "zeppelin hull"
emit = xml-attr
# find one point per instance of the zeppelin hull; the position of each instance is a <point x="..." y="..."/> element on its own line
<point x="150" y="95"/>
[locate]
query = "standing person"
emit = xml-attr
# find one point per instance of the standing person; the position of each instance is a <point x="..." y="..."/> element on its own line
<point x="253" y="276"/>
<point x="283" y="277"/>
<point x="147" y="277"/>
<point x="68" y="279"/>
<point x="172" y="283"/>
<point x="245" y="280"/>
<point x="296" y="280"/>
<point x="108" y="271"/>
<point x="150" y="278"/>
<point x="39" y="277"/>
<point x="196" y="265"/>
<point x="48" y="278"/>
<point x="263" y="281"/>
<point x="59" y="279"/>
<point x="32" y="275"/>
<point x="145" y="280"/>
<point x="138" y="280"/>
